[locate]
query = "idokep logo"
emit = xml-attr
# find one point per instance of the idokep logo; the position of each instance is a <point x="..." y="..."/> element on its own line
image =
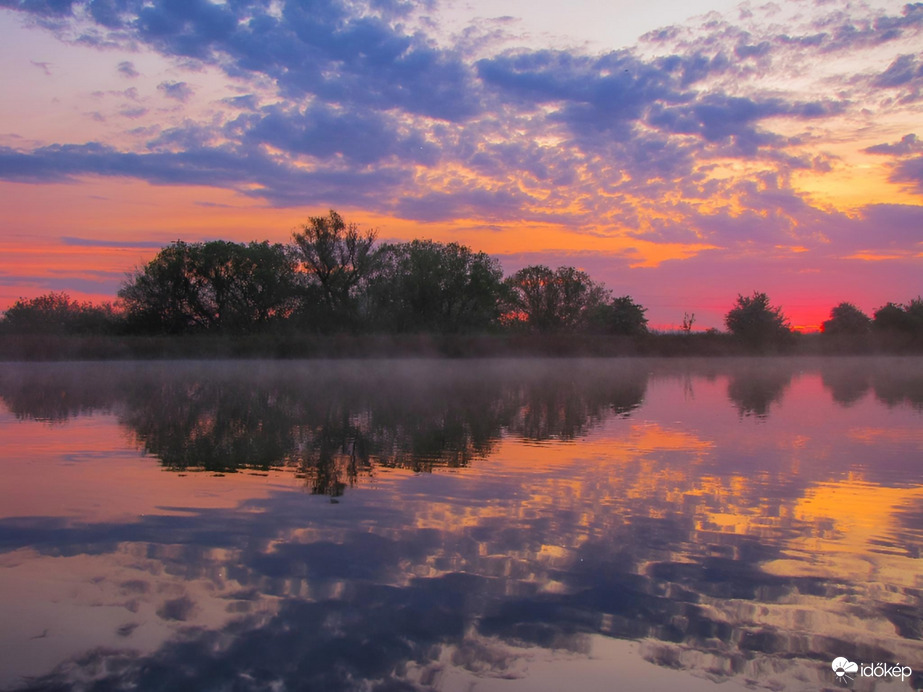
<point x="843" y="667"/>
<point x="845" y="670"/>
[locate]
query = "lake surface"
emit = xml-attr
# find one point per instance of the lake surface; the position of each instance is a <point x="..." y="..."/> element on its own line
<point x="461" y="525"/>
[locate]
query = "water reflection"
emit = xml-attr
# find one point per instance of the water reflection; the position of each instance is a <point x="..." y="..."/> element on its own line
<point x="738" y="525"/>
<point x="758" y="388"/>
<point x="332" y="421"/>
<point x="893" y="381"/>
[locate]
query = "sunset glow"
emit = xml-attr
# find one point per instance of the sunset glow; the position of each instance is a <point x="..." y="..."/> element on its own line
<point x="682" y="160"/>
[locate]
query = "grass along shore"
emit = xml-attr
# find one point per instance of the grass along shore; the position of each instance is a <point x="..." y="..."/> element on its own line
<point x="295" y="346"/>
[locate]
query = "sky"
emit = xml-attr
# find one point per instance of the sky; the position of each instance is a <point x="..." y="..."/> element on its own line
<point x="680" y="152"/>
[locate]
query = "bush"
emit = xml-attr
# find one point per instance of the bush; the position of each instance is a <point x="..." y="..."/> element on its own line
<point x="757" y="323"/>
<point x="621" y="316"/>
<point x="56" y="313"/>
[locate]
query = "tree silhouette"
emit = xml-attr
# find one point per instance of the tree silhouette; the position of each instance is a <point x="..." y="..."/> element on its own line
<point x="891" y="317"/>
<point x="621" y="316"/>
<point x="337" y="256"/>
<point x="428" y="286"/>
<point x="57" y="313"/>
<point x="549" y="300"/>
<point x="846" y="318"/>
<point x="756" y="322"/>
<point x="901" y="318"/>
<point x="212" y="286"/>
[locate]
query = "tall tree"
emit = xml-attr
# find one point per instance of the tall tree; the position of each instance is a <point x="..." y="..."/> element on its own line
<point x="337" y="256"/>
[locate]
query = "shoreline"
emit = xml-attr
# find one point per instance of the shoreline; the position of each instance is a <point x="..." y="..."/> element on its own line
<point x="345" y="346"/>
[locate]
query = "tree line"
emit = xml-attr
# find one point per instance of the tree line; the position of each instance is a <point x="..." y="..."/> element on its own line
<point x="336" y="278"/>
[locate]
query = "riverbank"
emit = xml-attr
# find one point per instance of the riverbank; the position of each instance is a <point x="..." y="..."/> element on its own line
<point x="112" y="347"/>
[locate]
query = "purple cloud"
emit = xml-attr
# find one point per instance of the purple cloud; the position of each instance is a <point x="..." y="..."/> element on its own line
<point x="178" y="91"/>
<point x="126" y="68"/>
<point x="909" y="144"/>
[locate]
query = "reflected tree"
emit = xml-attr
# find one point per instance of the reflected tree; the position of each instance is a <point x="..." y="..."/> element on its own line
<point x="898" y="388"/>
<point x="754" y="391"/>
<point x="564" y="406"/>
<point x="847" y="385"/>
<point x="333" y="424"/>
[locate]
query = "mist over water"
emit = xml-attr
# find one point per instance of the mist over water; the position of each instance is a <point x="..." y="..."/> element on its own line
<point x="486" y="525"/>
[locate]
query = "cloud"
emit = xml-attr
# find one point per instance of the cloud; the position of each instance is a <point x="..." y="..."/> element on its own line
<point x="126" y="68"/>
<point x="909" y="168"/>
<point x="88" y="282"/>
<point x="605" y="93"/>
<point x="178" y="91"/>
<point x="465" y="203"/>
<point x="248" y="102"/>
<point x="901" y="71"/>
<point x="694" y="139"/>
<point x="190" y="29"/>
<point x="95" y="242"/>
<point x="909" y="144"/>
<point x="133" y="112"/>
<point x="251" y="173"/>
<point x="329" y="49"/>
<point x="719" y="117"/>
<point x="322" y="131"/>
<point x="43" y="66"/>
<point x="46" y="8"/>
<point x="894" y="224"/>
<point x="909" y="171"/>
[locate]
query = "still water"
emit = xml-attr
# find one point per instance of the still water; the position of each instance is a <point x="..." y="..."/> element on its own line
<point x="461" y="525"/>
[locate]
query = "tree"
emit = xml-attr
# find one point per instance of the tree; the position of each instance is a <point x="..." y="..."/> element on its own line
<point x="162" y="296"/>
<point x="56" y="313"/>
<point x="914" y="310"/>
<point x="891" y="317"/>
<point x="338" y="257"/>
<point x="900" y="318"/>
<point x="213" y="286"/>
<point x="429" y="286"/>
<point x="247" y="286"/>
<point x="846" y="318"/>
<point x="621" y="316"/>
<point x="549" y="300"/>
<point x="756" y="322"/>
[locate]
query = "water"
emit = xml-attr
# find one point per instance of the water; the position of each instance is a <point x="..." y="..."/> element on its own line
<point x="495" y="525"/>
